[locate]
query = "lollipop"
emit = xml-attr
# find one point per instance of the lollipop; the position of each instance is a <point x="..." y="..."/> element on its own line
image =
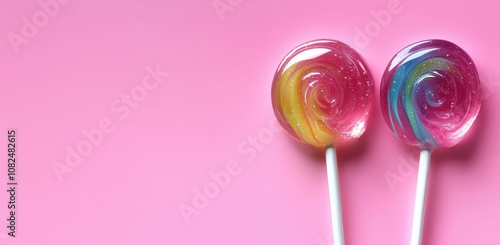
<point x="321" y="94"/>
<point x="430" y="96"/>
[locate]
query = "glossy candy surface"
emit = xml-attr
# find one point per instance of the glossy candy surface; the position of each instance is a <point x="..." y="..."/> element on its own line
<point x="322" y="93"/>
<point x="430" y="94"/>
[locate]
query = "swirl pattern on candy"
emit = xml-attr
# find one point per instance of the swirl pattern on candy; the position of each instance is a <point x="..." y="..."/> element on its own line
<point x="430" y="94"/>
<point x="322" y="93"/>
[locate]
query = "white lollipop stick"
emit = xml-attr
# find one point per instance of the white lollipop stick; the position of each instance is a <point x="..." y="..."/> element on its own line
<point x="418" y="213"/>
<point x="335" y="205"/>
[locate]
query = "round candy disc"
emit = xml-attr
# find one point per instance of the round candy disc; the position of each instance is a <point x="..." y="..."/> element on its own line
<point x="322" y="93"/>
<point x="430" y="94"/>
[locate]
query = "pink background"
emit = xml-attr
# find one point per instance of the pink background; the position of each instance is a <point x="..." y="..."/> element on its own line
<point x="213" y="112"/>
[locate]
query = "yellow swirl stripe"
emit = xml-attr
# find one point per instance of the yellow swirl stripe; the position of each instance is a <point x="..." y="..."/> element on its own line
<point x="294" y="108"/>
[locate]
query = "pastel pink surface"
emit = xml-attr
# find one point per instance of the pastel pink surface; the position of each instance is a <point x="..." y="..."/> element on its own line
<point x="214" y="109"/>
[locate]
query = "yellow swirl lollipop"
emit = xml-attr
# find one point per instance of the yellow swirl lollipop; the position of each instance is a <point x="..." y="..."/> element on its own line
<point x="321" y="94"/>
